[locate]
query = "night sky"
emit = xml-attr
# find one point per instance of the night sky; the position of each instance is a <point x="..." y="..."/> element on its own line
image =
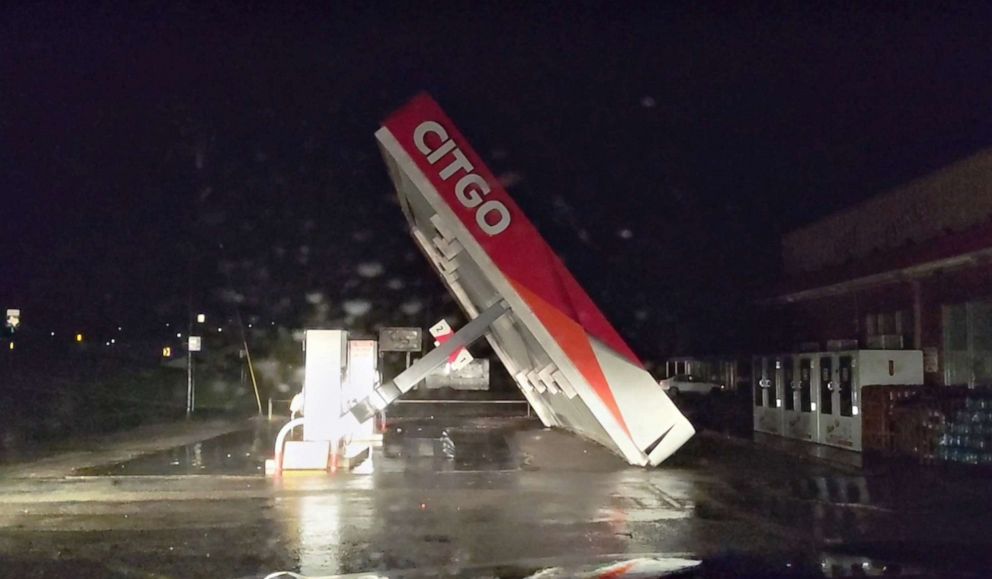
<point x="149" y="157"/>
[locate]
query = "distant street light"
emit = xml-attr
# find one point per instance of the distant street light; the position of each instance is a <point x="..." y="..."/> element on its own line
<point x="79" y="338"/>
<point x="201" y="318"/>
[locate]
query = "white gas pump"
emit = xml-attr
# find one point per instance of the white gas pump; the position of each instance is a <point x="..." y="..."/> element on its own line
<point x="338" y="373"/>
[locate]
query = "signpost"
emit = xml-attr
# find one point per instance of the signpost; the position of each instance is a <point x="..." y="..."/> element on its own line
<point x="193" y="344"/>
<point x="406" y="340"/>
<point x="13" y="319"/>
<point x="10" y="328"/>
<point x="400" y="340"/>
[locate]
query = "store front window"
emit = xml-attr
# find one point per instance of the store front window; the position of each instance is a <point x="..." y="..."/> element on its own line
<point x="968" y="343"/>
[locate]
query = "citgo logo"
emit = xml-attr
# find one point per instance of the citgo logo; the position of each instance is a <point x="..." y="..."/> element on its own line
<point x="470" y="189"/>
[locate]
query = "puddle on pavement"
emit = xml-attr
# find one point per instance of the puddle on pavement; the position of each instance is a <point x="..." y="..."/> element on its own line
<point x="711" y="512"/>
<point x="236" y="453"/>
<point x="244" y="453"/>
<point x="452" y="449"/>
<point x="835" y="489"/>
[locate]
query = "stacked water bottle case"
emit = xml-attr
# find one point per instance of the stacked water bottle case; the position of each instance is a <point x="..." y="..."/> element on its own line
<point x="966" y="435"/>
<point x="946" y="424"/>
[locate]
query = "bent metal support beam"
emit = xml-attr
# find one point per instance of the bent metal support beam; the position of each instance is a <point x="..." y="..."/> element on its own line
<point x="386" y="393"/>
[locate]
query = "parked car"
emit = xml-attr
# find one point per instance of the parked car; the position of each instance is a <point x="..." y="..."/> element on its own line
<point x="685" y="384"/>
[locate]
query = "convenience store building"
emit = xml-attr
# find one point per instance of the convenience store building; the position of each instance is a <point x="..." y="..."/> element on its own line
<point x="908" y="269"/>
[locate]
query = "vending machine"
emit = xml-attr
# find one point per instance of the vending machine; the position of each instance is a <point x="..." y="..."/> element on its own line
<point x="767" y="399"/>
<point x="842" y="375"/>
<point x="799" y="408"/>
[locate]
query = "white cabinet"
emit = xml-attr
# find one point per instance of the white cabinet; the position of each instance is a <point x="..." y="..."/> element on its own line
<point x="820" y="392"/>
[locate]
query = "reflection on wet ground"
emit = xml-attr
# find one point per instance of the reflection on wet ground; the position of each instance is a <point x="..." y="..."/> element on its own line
<point x="461" y="444"/>
<point x="237" y="453"/>
<point x="459" y="494"/>
<point x="446" y="446"/>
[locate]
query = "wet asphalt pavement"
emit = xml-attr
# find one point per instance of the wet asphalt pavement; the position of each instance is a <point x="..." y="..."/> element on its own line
<point x="236" y="453"/>
<point x="496" y="497"/>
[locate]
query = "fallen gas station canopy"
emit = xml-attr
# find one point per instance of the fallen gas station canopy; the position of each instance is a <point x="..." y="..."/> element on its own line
<point x="568" y="360"/>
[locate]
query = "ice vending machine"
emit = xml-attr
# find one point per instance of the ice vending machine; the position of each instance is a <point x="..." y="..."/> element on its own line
<point x="799" y="416"/>
<point x="767" y="384"/>
<point x="842" y="375"/>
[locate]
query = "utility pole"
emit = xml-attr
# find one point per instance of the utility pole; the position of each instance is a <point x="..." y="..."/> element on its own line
<point x="251" y="369"/>
<point x="190" y="388"/>
<point x="189" y="333"/>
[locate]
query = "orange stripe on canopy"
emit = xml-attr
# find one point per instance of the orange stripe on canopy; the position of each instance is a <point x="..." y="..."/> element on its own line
<point x="575" y="342"/>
